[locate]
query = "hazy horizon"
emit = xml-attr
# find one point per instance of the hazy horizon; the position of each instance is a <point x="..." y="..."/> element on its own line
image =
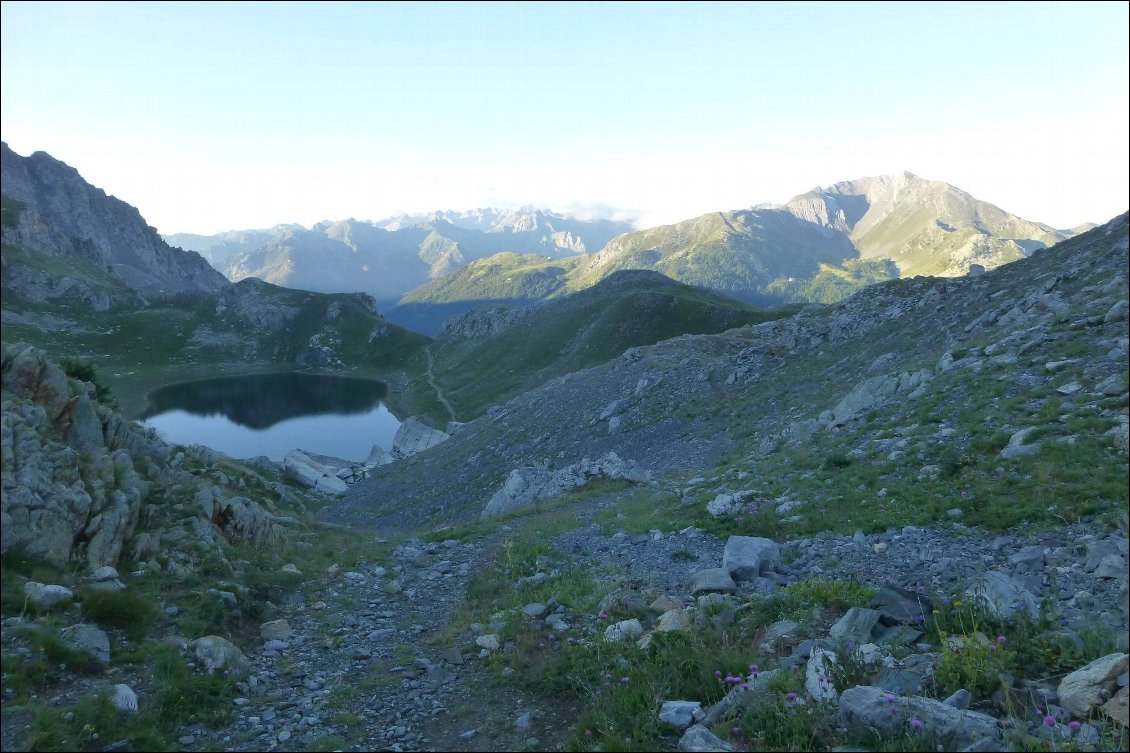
<point x="227" y="116"/>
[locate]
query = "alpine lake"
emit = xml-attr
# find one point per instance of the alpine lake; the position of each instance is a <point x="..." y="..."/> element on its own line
<point x="272" y="414"/>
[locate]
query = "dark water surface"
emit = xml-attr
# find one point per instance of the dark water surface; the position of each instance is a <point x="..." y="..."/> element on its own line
<point x="272" y="414"/>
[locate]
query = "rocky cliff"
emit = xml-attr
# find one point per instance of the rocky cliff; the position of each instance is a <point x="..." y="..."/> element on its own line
<point x="50" y="209"/>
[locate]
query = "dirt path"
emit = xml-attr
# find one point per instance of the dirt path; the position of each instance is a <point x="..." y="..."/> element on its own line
<point x="432" y="382"/>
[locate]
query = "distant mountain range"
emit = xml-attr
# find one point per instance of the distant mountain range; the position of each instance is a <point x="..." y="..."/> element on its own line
<point x="393" y="256"/>
<point x="820" y="246"/>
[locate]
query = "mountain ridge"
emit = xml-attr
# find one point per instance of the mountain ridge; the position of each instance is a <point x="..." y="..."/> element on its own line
<point x="85" y="223"/>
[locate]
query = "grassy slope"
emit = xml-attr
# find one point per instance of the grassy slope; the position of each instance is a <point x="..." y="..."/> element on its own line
<point x="578" y="332"/>
<point x="503" y="277"/>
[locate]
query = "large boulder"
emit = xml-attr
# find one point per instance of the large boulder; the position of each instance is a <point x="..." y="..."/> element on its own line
<point x="414" y="436"/>
<point x="681" y="714"/>
<point x="623" y="630"/>
<point x="1002" y="595"/>
<point x="855" y="626"/>
<point x="46" y="596"/>
<point x="712" y="580"/>
<point x="749" y="557"/>
<point x="899" y="605"/>
<point x="1083" y="689"/>
<point x="868" y="710"/>
<point x="275" y="630"/>
<point x="319" y="476"/>
<point x="93" y="640"/>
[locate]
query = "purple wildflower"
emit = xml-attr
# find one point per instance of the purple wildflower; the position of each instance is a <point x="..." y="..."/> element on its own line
<point x="916" y="723"/>
<point x="1049" y="721"/>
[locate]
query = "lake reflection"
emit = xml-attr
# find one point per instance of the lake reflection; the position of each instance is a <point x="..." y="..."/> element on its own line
<point x="272" y="414"/>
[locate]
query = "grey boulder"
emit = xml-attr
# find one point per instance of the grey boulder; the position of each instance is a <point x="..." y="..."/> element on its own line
<point x="699" y="738"/>
<point x="748" y="557"/>
<point x="866" y="709"/>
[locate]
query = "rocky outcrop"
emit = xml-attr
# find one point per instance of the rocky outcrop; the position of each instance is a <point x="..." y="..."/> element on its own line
<point x="525" y="486"/>
<point x="65" y="486"/>
<point x="64" y="216"/>
<point x="483" y="322"/>
<point x="77" y="477"/>
<point x="876" y="391"/>
<point x="252" y="301"/>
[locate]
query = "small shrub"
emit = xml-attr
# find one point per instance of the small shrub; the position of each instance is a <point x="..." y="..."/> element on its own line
<point x="124" y="609"/>
<point x="84" y="372"/>
<point x="837" y="461"/>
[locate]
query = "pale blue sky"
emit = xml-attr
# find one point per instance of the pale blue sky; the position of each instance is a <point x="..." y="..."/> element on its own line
<point x="216" y="116"/>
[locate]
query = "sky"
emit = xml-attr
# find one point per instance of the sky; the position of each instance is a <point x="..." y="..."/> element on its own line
<point x="219" y="116"/>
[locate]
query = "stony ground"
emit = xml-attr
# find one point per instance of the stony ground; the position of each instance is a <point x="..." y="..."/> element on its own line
<point x="370" y="662"/>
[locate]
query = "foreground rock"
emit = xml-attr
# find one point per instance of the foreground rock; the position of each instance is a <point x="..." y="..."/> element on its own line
<point x="1084" y="689"/>
<point x="93" y="640"/>
<point x="220" y="654"/>
<point x="749" y="557"/>
<point x="700" y="739"/>
<point x="871" y="710"/>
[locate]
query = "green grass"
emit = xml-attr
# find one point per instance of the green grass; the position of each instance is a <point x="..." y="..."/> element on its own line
<point x="619" y="686"/>
<point x="190" y="695"/>
<point x="644" y="511"/>
<point x="92" y="724"/>
<point x="179" y="695"/>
